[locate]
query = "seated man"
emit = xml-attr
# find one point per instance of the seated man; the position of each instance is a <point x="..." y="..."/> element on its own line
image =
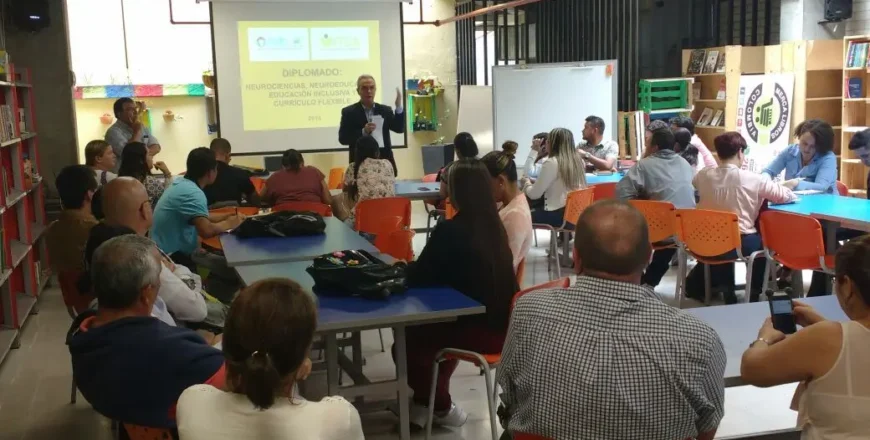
<point x="231" y="183"/>
<point x="66" y="238"/>
<point x="181" y="217"/>
<point x="662" y="175"/>
<point x="630" y="368"/>
<point x="130" y="366"/>
<point x="598" y="153"/>
<point x="100" y="158"/>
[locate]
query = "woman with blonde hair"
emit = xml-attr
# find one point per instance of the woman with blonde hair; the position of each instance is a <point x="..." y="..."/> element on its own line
<point x="561" y="172"/>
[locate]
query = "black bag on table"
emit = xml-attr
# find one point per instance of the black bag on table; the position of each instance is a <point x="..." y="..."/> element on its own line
<point x="282" y="224"/>
<point x="357" y="273"/>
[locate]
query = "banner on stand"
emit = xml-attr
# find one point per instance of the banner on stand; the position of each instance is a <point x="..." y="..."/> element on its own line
<point x="764" y="107"/>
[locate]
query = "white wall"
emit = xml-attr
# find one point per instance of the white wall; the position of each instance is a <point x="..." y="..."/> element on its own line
<point x="859" y="24"/>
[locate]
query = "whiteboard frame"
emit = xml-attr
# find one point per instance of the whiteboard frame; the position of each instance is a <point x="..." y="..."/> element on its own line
<point x="573" y="64"/>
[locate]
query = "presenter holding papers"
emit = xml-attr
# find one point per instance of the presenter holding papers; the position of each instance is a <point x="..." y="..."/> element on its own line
<point x="370" y="118"/>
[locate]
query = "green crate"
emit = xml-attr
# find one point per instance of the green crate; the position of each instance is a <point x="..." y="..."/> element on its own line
<point x="658" y="95"/>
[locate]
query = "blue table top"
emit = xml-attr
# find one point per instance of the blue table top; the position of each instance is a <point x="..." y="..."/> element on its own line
<point x="337" y="237"/>
<point x="343" y="313"/>
<point x="594" y="179"/>
<point x="851" y="210"/>
<point x="416" y="189"/>
<point x="738" y="324"/>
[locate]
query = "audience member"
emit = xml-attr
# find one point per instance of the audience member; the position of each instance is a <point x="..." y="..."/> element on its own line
<point x="137" y="162"/>
<point x="860" y="145"/>
<point x="599" y="154"/>
<point x="182" y="215"/>
<point x="537" y="154"/>
<point x="510" y="147"/>
<point x="232" y="183"/>
<point x="729" y="188"/>
<point x="605" y="343"/>
<point x="663" y="176"/>
<point x="811" y="163"/>
<point x="66" y="238"/>
<point x="561" y="172"/>
<point x="465" y="148"/>
<point x="829" y="358"/>
<point x="686" y="149"/>
<point x="469" y="253"/>
<point x="651" y="128"/>
<point x="368" y="177"/>
<point x="685" y="122"/>
<point x="128" y="128"/>
<point x="100" y="158"/>
<point x="129" y="366"/>
<point x="266" y="345"/>
<point x="515" y="213"/>
<point x="296" y="182"/>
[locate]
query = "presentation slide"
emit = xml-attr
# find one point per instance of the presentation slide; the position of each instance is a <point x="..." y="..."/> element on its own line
<point x="301" y="74"/>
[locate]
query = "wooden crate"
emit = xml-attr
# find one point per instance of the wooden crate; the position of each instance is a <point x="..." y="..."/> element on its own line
<point x="631" y="134"/>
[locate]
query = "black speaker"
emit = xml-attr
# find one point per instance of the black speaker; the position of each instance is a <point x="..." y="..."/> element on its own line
<point x="838" y="10"/>
<point x="29" y="15"/>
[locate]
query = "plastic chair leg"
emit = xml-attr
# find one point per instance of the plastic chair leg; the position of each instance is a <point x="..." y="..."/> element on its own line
<point x="554" y="253"/>
<point x="708" y="290"/>
<point x="431" y="417"/>
<point x="489" y="397"/>
<point x="681" y="277"/>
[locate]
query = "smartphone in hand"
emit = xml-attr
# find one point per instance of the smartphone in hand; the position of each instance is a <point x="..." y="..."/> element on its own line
<point x="782" y="313"/>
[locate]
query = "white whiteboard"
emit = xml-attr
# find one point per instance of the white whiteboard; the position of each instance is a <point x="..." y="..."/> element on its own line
<point x="534" y="98"/>
<point x="475" y="115"/>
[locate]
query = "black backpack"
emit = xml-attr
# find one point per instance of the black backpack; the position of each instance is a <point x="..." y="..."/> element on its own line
<point x="282" y="224"/>
<point x="357" y="273"/>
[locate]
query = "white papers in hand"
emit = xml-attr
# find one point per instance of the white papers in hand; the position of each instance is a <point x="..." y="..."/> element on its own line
<point x="378" y="133"/>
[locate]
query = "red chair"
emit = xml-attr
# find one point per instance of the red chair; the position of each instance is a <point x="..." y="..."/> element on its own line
<point x="485" y="361"/>
<point x="320" y="208"/>
<point x="578" y="201"/>
<point x="842" y="189"/>
<point x="136" y="432"/>
<point x="369" y="213"/>
<point x="75" y="302"/>
<point x="336" y="175"/>
<point x="779" y="231"/>
<point x="604" y="191"/>
<point x="396" y="244"/>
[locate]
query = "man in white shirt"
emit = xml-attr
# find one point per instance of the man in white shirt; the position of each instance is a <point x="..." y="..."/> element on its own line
<point x="100" y="158"/>
<point x="599" y="154"/>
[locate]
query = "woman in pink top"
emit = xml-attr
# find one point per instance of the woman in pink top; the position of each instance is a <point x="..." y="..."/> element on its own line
<point x="706" y="157"/>
<point x="729" y="188"/>
<point x="515" y="213"/>
<point x="296" y="182"/>
<point x="829" y="358"/>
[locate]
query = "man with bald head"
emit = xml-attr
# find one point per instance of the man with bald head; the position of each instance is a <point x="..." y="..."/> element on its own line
<point x="605" y="359"/>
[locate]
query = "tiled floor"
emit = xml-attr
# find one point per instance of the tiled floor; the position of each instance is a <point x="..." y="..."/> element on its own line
<point x="35" y="382"/>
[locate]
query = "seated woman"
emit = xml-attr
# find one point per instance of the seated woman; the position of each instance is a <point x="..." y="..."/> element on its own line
<point x="829" y="358"/>
<point x="729" y="188"/>
<point x="811" y="163"/>
<point x="465" y="148"/>
<point x="368" y="177"/>
<point x="266" y="343"/>
<point x="686" y="149"/>
<point x="560" y="173"/>
<point x="469" y="253"/>
<point x="295" y="182"/>
<point x="539" y="152"/>
<point x="137" y="161"/>
<point x="515" y="213"/>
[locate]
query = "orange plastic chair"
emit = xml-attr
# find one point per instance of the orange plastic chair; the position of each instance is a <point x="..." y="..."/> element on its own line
<point x="605" y="191"/>
<point x="136" y="432"/>
<point x="215" y="242"/>
<point x="396" y="244"/>
<point x="521" y="272"/>
<point x="706" y="234"/>
<point x="842" y="189"/>
<point x="369" y="213"/>
<point x="320" y="208"/>
<point x="778" y="232"/>
<point x="576" y="203"/>
<point x="661" y="220"/>
<point x="259" y="183"/>
<point x="75" y="303"/>
<point x="336" y="176"/>
<point x="485" y="361"/>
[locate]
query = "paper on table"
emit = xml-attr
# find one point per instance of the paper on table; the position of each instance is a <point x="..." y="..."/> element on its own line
<point x="378" y="134"/>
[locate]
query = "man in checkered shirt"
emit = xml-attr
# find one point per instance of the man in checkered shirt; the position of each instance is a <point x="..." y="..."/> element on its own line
<point x="605" y="359"/>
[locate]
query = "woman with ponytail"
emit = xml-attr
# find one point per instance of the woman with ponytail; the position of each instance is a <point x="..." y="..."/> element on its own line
<point x="515" y="212"/>
<point x="266" y="344"/>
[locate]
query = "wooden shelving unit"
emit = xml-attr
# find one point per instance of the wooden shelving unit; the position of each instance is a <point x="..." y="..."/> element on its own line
<point x="24" y="266"/>
<point x="855" y="117"/>
<point x="738" y="60"/>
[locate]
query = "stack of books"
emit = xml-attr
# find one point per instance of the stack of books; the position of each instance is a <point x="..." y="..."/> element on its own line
<point x="856" y="56"/>
<point x="7" y="123"/>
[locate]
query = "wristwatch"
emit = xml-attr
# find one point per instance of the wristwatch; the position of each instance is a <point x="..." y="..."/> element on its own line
<point x="766" y="342"/>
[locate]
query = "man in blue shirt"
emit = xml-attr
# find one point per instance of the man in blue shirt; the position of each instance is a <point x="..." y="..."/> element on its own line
<point x="811" y="163"/>
<point x="182" y="215"/>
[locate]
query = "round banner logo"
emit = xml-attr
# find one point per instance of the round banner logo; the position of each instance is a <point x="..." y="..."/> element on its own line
<point x="766" y="117"/>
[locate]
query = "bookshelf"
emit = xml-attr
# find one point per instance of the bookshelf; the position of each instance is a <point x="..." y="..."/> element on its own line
<point x="855" y="116"/>
<point x="23" y="254"/>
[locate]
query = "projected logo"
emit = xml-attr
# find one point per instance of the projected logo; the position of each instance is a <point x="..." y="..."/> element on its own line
<point x="766" y="115"/>
<point x="340" y="43"/>
<point x="278" y="44"/>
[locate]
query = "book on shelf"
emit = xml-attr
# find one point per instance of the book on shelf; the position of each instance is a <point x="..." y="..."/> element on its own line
<point x="696" y="61"/>
<point x="706" y="115"/>
<point x="712" y="59"/>
<point x="855" y="88"/>
<point x="696" y="91"/>
<point x="856" y="56"/>
<point x="721" y="93"/>
<point x="6" y="188"/>
<point x="720" y="63"/>
<point x="717" y="118"/>
<point x="3" y="262"/>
